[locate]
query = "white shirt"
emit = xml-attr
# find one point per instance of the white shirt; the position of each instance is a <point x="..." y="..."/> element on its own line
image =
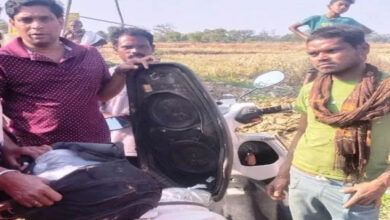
<point x="90" y="38"/>
<point x="119" y="106"/>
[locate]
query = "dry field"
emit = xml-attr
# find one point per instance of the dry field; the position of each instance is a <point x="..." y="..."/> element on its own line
<point x="238" y="64"/>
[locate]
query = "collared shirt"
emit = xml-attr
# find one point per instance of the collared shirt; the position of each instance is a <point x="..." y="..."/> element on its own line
<point x="119" y="106"/>
<point x="49" y="102"/>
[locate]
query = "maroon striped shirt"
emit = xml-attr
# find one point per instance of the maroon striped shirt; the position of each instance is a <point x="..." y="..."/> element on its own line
<point x="50" y="102"/>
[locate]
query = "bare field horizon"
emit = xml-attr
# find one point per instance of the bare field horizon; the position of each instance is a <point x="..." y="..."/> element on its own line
<point x="239" y="63"/>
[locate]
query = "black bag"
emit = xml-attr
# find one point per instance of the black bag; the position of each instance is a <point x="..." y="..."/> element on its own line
<point x="113" y="189"/>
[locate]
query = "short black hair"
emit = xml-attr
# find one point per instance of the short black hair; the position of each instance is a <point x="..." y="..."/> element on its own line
<point x="12" y="7"/>
<point x="334" y="1"/>
<point x="132" y="31"/>
<point x="348" y="33"/>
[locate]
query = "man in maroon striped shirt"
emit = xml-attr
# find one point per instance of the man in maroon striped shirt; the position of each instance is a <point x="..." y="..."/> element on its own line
<point x="50" y="88"/>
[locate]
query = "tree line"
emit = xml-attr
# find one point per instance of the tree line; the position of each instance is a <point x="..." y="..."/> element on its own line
<point x="167" y="33"/>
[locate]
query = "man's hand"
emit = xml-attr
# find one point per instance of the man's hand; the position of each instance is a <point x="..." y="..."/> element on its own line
<point x="12" y="154"/>
<point x="366" y="193"/>
<point x="133" y="63"/>
<point x="28" y="190"/>
<point x="276" y="189"/>
<point x="118" y="79"/>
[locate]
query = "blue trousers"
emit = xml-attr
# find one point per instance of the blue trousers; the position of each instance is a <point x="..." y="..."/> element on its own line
<point x="319" y="198"/>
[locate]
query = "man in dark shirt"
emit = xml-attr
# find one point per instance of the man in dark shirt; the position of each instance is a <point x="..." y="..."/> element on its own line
<point x="50" y="89"/>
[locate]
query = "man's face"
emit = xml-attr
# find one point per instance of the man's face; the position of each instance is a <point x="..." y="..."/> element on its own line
<point x="133" y="46"/>
<point x="76" y="26"/>
<point x="339" y="7"/>
<point x="335" y="56"/>
<point x="37" y="26"/>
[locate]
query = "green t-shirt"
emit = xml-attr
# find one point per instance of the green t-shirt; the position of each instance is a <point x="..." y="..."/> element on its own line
<point x="319" y="21"/>
<point x="315" y="152"/>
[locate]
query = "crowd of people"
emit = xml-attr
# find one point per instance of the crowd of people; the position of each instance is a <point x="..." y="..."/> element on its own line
<point x="59" y="89"/>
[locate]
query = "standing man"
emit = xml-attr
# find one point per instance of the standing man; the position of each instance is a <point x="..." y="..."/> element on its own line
<point x="332" y="17"/>
<point x="80" y="36"/>
<point x="129" y="44"/>
<point x="50" y="88"/>
<point x="339" y="156"/>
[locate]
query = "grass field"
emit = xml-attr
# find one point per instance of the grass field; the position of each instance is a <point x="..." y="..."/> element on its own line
<point x="238" y="64"/>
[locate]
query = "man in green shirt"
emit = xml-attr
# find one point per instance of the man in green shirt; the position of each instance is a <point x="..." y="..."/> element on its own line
<point x="337" y="165"/>
<point x="332" y="17"/>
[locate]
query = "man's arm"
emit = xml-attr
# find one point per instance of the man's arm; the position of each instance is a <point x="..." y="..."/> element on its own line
<point x="276" y="188"/>
<point x="114" y="86"/>
<point x="28" y="190"/>
<point x="11" y="152"/>
<point x="368" y="192"/>
<point x="295" y="29"/>
<point x="118" y="79"/>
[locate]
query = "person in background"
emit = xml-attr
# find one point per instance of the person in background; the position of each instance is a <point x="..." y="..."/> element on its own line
<point x="129" y="44"/>
<point x="332" y="17"/>
<point x="337" y="163"/>
<point x="80" y="36"/>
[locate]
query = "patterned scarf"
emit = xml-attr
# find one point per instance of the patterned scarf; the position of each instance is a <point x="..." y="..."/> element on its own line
<point x="368" y="101"/>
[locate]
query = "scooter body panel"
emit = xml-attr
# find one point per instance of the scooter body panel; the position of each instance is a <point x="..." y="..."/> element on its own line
<point x="267" y="145"/>
<point x="180" y="134"/>
<point x="270" y="147"/>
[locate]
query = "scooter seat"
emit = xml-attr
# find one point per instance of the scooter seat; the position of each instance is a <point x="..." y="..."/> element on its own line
<point x="182" y="203"/>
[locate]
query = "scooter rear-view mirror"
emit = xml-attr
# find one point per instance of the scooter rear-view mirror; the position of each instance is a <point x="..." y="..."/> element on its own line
<point x="268" y="79"/>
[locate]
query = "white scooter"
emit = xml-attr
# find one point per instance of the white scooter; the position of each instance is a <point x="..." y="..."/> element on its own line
<point x="193" y="202"/>
<point x="256" y="157"/>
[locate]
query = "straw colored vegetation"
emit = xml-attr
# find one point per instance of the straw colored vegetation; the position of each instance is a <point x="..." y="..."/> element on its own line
<point x="239" y="63"/>
<point x="385" y="209"/>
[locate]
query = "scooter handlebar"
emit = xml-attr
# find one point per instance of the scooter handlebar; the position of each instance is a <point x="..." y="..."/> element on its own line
<point x="275" y="109"/>
<point x="253" y="114"/>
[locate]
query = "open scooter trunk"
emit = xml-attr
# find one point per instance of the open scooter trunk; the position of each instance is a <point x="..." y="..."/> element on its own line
<point x="181" y="136"/>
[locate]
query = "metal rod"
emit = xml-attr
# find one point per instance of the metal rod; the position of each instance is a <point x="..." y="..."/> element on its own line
<point x="120" y="13"/>
<point x="66" y="16"/>
<point x="106" y="21"/>
<point x="239" y="98"/>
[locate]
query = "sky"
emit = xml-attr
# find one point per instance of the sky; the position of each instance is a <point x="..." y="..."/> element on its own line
<point x="196" y="15"/>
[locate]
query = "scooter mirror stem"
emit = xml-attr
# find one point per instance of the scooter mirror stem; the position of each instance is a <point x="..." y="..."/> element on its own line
<point x="239" y="98"/>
